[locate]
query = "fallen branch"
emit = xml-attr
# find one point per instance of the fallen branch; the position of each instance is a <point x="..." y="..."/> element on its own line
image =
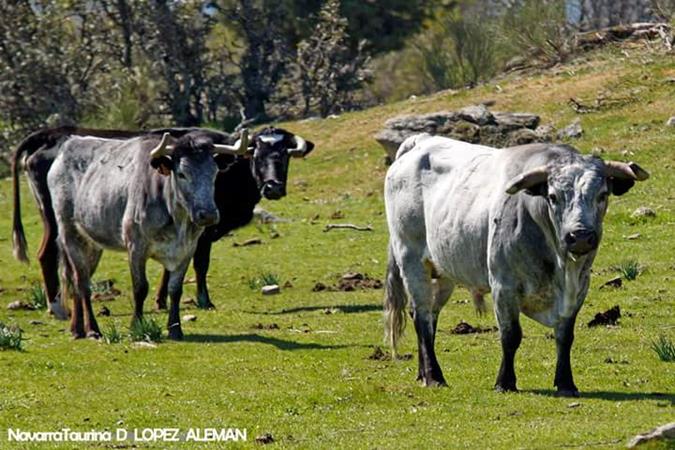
<point x="350" y="226"/>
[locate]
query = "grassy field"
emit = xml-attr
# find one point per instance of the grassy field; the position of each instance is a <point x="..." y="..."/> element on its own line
<point x="309" y="381"/>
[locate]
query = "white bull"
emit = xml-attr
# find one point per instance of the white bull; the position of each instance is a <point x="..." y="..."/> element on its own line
<point x="523" y="223"/>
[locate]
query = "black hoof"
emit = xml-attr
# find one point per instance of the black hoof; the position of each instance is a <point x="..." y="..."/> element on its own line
<point x="175" y="333"/>
<point x="94" y="335"/>
<point x="78" y="334"/>
<point x="505" y="388"/>
<point x="567" y="393"/>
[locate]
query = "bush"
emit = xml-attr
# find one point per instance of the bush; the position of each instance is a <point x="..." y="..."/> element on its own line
<point x="629" y="269"/>
<point x="665" y="348"/>
<point x="112" y="335"/>
<point x="10" y="337"/>
<point x="37" y="297"/>
<point x="264" y="279"/>
<point x="145" y="329"/>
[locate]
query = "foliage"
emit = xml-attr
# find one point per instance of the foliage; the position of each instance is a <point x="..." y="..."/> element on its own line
<point x="11" y="337"/>
<point x="629" y="269"/>
<point x="264" y="279"/>
<point x="37" y="297"/>
<point x="329" y="71"/>
<point x="665" y="348"/>
<point x="112" y="335"/>
<point x="537" y="29"/>
<point x="145" y="329"/>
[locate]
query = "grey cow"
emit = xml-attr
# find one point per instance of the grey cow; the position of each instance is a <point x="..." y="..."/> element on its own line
<point x="147" y="197"/>
<point x="523" y="223"/>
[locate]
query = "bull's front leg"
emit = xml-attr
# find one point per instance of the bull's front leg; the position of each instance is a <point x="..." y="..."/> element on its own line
<point x="507" y="312"/>
<point x="564" y="336"/>
<point x="201" y="261"/>
<point x="175" y="288"/>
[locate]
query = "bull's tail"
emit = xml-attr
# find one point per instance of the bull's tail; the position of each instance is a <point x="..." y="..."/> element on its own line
<point x="410" y="142"/>
<point x="20" y="246"/>
<point x="395" y="301"/>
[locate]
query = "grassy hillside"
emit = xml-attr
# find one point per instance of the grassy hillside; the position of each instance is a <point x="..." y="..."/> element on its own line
<point x="310" y="382"/>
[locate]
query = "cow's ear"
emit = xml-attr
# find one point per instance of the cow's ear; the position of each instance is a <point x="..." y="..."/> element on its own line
<point x="619" y="186"/>
<point x="163" y="164"/>
<point x="310" y="147"/>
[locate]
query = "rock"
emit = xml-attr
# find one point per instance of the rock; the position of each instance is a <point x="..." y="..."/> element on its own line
<point x="144" y="344"/>
<point x="465" y="131"/>
<point x="246" y="243"/>
<point x="513" y="121"/>
<point x="571" y="131"/>
<point x="20" y="305"/>
<point x="522" y="136"/>
<point x="643" y="211"/>
<point x="663" y="432"/>
<point x="477" y="114"/>
<point x="189" y="318"/>
<point x="270" y="289"/>
<point x="670" y="122"/>
<point x="632" y="237"/>
<point x="545" y="132"/>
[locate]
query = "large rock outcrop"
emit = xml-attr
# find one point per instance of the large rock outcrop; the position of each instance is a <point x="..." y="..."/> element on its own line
<point x="475" y="124"/>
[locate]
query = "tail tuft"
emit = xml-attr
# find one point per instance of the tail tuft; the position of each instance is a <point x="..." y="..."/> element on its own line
<point x="395" y="301"/>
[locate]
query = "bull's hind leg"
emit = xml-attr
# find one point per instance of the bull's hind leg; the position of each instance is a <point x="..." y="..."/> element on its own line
<point x="162" y="291"/>
<point x="507" y="312"/>
<point x="417" y="281"/>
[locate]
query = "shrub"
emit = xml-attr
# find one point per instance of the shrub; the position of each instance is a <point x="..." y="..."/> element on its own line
<point x="264" y="279"/>
<point x="37" y="297"/>
<point x="145" y="329"/>
<point x="10" y="337"/>
<point x="665" y="348"/>
<point x="112" y="334"/>
<point x="629" y="269"/>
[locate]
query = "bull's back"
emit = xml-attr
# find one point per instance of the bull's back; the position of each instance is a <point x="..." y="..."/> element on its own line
<point x="437" y="197"/>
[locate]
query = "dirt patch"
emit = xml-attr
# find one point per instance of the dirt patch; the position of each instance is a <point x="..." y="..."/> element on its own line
<point x="380" y="355"/>
<point x="350" y="281"/>
<point x="248" y="242"/>
<point x="609" y="317"/>
<point x="465" y="328"/>
<point x="261" y="326"/>
<point x="266" y="438"/>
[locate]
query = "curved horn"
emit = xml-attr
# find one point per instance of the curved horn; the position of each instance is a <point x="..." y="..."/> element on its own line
<point x="300" y="148"/>
<point x="630" y="171"/>
<point x="239" y="148"/>
<point x="162" y="149"/>
<point x="527" y="180"/>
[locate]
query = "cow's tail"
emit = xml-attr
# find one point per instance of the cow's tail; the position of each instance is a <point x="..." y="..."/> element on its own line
<point x="410" y="142"/>
<point x="19" y="244"/>
<point x="395" y="301"/>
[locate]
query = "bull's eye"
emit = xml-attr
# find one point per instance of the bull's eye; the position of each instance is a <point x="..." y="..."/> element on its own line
<point x="180" y="175"/>
<point x="603" y="197"/>
<point x="553" y="199"/>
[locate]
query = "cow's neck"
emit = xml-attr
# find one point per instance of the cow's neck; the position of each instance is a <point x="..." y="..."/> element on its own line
<point x="180" y="216"/>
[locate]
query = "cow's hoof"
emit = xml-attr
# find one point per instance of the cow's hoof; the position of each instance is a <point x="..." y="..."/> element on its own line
<point x="435" y="383"/>
<point x="208" y="305"/>
<point x="77" y="334"/>
<point x="96" y="335"/>
<point x="505" y="388"/>
<point x="175" y="334"/>
<point x="567" y="393"/>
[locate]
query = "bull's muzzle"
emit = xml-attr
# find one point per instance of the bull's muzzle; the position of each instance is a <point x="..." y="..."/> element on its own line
<point x="273" y="190"/>
<point x="206" y="217"/>
<point x="581" y="241"/>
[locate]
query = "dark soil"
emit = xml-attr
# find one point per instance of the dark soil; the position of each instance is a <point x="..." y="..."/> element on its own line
<point x="609" y="317"/>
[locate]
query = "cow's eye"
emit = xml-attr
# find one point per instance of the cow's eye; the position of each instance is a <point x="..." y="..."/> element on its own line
<point x="553" y="198"/>
<point x="180" y="175"/>
<point x="603" y="197"/>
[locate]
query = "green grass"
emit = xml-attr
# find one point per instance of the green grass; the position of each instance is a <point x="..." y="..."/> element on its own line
<point x="112" y="334"/>
<point x="310" y="382"/>
<point x="37" y="297"/>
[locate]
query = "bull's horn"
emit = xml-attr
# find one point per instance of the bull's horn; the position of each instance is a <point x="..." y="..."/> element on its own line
<point x="527" y="180"/>
<point x="162" y="148"/>
<point x="239" y="148"/>
<point x="630" y="171"/>
<point x="300" y="147"/>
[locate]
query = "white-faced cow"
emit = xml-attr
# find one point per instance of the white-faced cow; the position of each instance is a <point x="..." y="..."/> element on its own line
<point x="147" y="197"/>
<point x="523" y="223"/>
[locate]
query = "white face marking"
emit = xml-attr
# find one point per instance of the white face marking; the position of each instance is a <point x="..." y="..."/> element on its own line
<point x="271" y="138"/>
